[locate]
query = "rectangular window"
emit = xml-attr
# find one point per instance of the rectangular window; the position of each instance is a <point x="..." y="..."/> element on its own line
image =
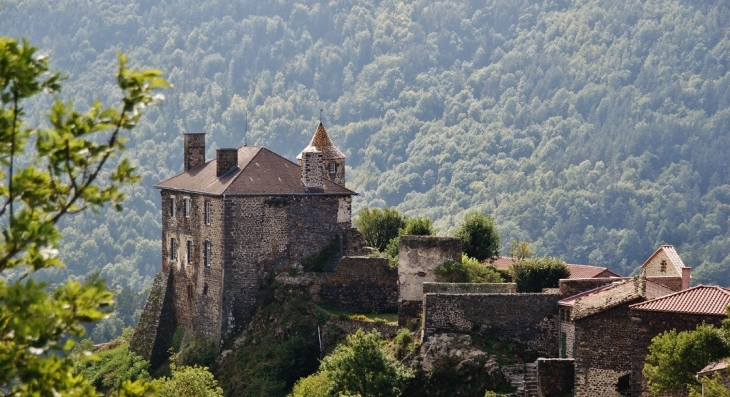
<point x="333" y="168"/>
<point x="207" y="254"/>
<point x="186" y="204"/>
<point x="173" y="249"/>
<point x="190" y="252"/>
<point x="172" y="207"/>
<point x="207" y="212"/>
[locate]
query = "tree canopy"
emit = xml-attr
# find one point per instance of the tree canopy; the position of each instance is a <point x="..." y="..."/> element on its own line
<point x="479" y="236"/>
<point x="47" y="174"/>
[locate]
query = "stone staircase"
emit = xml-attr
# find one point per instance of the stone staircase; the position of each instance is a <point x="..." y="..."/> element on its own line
<point x="523" y="377"/>
<point x="531" y="380"/>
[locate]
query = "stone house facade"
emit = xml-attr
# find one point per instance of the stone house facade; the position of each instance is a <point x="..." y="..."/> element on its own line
<point x="595" y="330"/>
<point x="231" y="223"/>
<point x="681" y="311"/>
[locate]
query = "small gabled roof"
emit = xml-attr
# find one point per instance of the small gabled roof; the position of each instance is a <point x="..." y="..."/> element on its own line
<point x="611" y="295"/>
<point x="259" y="172"/>
<point x="671" y="253"/>
<point x="702" y="299"/>
<point x="321" y="142"/>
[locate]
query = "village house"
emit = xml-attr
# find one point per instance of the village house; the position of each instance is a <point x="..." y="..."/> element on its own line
<point x="681" y="311"/>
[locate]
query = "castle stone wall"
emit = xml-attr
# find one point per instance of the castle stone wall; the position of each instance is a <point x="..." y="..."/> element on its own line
<point x="362" y="285"/>
<point x="418" y="257"/>
<point x="531" y="319"/>
<point x="153" y="337"/>
<point x="470" y="288"/>
<point x="265" y="235"/>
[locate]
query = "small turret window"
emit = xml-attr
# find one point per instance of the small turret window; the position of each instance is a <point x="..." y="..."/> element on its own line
<point x="186" y="206"/>
<point x="190" y="251"/>
<point x="172" y="207"/>
<point x="333" y="168"/>
<point x="207" y="212"/>
<point x="173" y="249"/>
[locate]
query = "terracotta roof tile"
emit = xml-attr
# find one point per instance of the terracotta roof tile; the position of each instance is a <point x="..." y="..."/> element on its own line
<point x="260" y="172"/>
<point x="576" y="271"/>
<point x="321" y="143"/>
<point x="702" y="299"/>
<point x="588" y="271"/>
<point x="611" y="295"/>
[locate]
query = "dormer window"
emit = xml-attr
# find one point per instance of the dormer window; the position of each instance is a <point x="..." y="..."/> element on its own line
<point x="333" y="168"/>
<point x="186" y="206"/>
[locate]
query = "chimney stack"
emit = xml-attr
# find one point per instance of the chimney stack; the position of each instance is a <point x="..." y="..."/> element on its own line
<point x="194" y="149"/>
<point x="686" y="278"/>
<point x="226" y="159"/>
<point x="312" y="171"/>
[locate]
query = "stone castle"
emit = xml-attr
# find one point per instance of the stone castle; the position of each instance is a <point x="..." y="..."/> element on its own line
<point x="249" y="215"/>
<point x="230" y="223"/>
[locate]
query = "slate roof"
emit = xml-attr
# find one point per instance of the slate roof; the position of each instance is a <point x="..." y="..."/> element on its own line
<point x="576" y="271"/>
<point x="611" y="295"/>
<point x="260" y="172"/>
<point x="702" y="299"/>
<point x="321" y="143"/>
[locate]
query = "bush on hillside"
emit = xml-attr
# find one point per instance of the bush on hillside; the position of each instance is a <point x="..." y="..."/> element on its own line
<point x="469" y="270"/>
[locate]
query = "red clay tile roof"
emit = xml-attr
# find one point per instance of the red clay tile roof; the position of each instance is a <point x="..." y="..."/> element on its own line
<point x="576" y="271"/>
<point x="321" y="143"/>
<point x="702" y="299"/>
<point x="502" y="262"/>
<point x="260" y="172"/>
<point x="588" y="271"/>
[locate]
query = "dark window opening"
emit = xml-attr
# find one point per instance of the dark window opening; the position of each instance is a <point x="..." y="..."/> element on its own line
<point x="190" y="251"/>
<point x="173" y="249"/>
<point x="186" y="207"/>
<point x="207" y="254"/>
<point x="664" y="266"/>
<point x="207" y="212"/>
<point x="205" y="289"/>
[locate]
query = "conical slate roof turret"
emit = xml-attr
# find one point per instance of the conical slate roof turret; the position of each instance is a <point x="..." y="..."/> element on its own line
<point x="321" y="143"/>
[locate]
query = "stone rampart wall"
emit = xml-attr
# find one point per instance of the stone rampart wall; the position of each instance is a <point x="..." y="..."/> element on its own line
<point x="362" y="285"/>
<point x="153" y="335"/>
<point x="531" y="319"/>
<point x="470" y="288"/>
<point x="574" y="286"/>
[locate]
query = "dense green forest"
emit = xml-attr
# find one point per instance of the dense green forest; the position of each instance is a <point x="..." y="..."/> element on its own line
<point x="595" y="130"/>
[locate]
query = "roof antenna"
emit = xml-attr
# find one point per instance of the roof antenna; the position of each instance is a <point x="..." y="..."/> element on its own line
<point x="245" y="129"/>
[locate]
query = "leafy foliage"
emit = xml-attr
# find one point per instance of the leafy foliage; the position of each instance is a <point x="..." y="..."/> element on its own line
<point x="108" y="369"/>
<point x="188" y="381"/>
<point x="469" y="270"/>
<point x="675" y="357"/>
<point x="418" y="226"/>
<point x="379" y="227"/>
<point x="45" y="175"/>
<point x="326" y="256"/>
<point x="479" y="236"/>
<point x="532" y="275"/>
<point x="359" y="366"/>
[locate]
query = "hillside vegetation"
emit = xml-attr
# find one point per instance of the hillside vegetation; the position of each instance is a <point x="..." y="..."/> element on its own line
<point x="596" y="130"/>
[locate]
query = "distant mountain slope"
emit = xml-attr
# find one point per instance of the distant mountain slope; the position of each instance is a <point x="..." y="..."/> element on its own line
<point x="597" y="130"/>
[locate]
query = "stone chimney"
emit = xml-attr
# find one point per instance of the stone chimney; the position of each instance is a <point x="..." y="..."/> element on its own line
<point x="194" y="149"/>
<point x="226" y="159"/>
<point x="686" y="278"/>
<point x="312" y="171"/>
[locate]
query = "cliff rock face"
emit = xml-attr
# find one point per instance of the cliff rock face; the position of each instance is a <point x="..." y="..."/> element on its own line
<point x="453" y="364"/>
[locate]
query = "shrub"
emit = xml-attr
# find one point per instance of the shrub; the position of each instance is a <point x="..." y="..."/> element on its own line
<point x="469" y="270"/>
<point x="479" y="236"/>
<point x="532" y="275"/>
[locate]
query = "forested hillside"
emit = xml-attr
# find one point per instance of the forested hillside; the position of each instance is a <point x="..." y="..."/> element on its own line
<point x="594" y="129"/>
